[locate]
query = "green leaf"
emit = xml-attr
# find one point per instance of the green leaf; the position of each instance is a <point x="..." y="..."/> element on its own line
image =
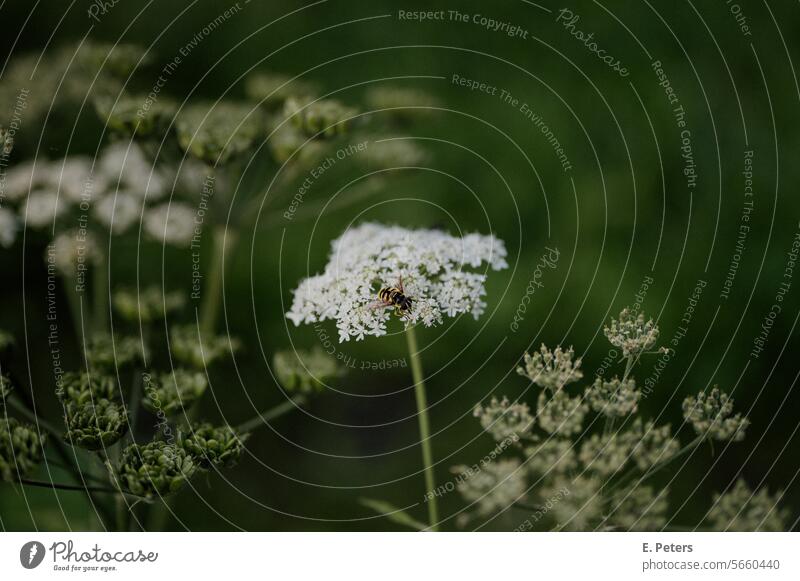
<point x="393" y="514"/>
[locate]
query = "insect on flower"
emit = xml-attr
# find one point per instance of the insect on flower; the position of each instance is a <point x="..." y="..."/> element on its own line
<point x="391" y="296"/>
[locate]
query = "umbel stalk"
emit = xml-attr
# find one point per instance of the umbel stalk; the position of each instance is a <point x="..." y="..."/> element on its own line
<point x="424" y="426"/>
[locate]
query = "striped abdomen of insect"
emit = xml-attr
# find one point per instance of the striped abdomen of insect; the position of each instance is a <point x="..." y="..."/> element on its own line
<point x="394" y="296"/>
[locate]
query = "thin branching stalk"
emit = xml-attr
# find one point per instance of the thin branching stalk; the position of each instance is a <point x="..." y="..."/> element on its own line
<point x="268" y="415"/>
<point x="657" y="466"/>
<point x="424" y="425"/>
<point x="75" y="487"/>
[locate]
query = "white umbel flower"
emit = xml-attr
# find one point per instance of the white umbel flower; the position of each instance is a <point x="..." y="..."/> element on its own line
<point x="170" y="223"/>
<point x="432" y="263"/>
<point x="123" y="209"/>
<point x="72" y="177"/>
<point x="126" y="166"/>
<point x="8" y="228"/>
<point x="42" y="208"/>
<point x="70" y="249"/>
<point x="24" y="178"/>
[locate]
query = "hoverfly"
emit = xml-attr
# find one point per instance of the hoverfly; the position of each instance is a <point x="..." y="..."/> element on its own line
<point x="391" y="296"/>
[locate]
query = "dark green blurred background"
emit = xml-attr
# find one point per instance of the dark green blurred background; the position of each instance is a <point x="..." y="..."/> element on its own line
<point x="629" y="212"/>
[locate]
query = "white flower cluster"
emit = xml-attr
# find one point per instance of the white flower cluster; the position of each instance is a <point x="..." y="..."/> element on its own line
<point x="433" y="266"/>
<point x="119" y="189"/>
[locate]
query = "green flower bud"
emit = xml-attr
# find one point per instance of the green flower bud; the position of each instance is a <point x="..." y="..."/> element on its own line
<point x="214" y="133"/>
<point x="741" y="510"/>
<point x="551" y="369"/>
<point x="155" y="469"/>
<point x="148" y="305"/>
<point x="652" y="444"/>
<point x="95" y="425"/>
<point x="639" y="508"/>
<point x="305" y="371"/>
<point x="6" y="387"/>
<point x="496" y="486"/>
<point x="710" y="415"/>
<point x="325" y="117"/>
<point x="504" y="420"/>
<point x="551" y="456"/>
<point x="20" y="449"/>
<point x="212" y="446"/>
<point x="135" y="115"/>
<point x="286" y="140"/>
<point x="580" y="505"/>
<point x="560" y="413"/>
<point x="271" y="90"/>
<point x="613" y="398"/>
<point x="107" y="354"/>
<point x="172" y="393"/>
<point x="79" y="388"/>
<point x="632" y="333"/>
<point x="6" y="340"/>
<point x="119" y="60"/>
<point x="187" y="349"/>
<point x="6" y="142"/>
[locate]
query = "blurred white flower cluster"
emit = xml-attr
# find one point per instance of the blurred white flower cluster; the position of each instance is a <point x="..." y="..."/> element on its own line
<point x="110" y="193"/>
<point x="434" y="266"/>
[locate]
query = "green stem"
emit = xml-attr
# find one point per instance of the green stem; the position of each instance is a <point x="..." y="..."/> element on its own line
<point x="78" y="315"/>
<point x="424" y="426"/>
<point x="71" y="461"/>
<point x="222" y="241"/>
<point x="33" y="417"/>
<point x="658" y="465"/>
<point x="268" y="415"/>
<point x="628" y="367"/>
<point x="73" y="487"/>
<point x="101" y="286"/>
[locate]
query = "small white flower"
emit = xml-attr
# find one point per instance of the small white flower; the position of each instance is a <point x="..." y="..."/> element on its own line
<point x="42" y="208"/>
<point x="170" y="223"/>
<point x="123" y="208"/>
<point x="8" y="227"/>
<point x="368" y="257"/>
